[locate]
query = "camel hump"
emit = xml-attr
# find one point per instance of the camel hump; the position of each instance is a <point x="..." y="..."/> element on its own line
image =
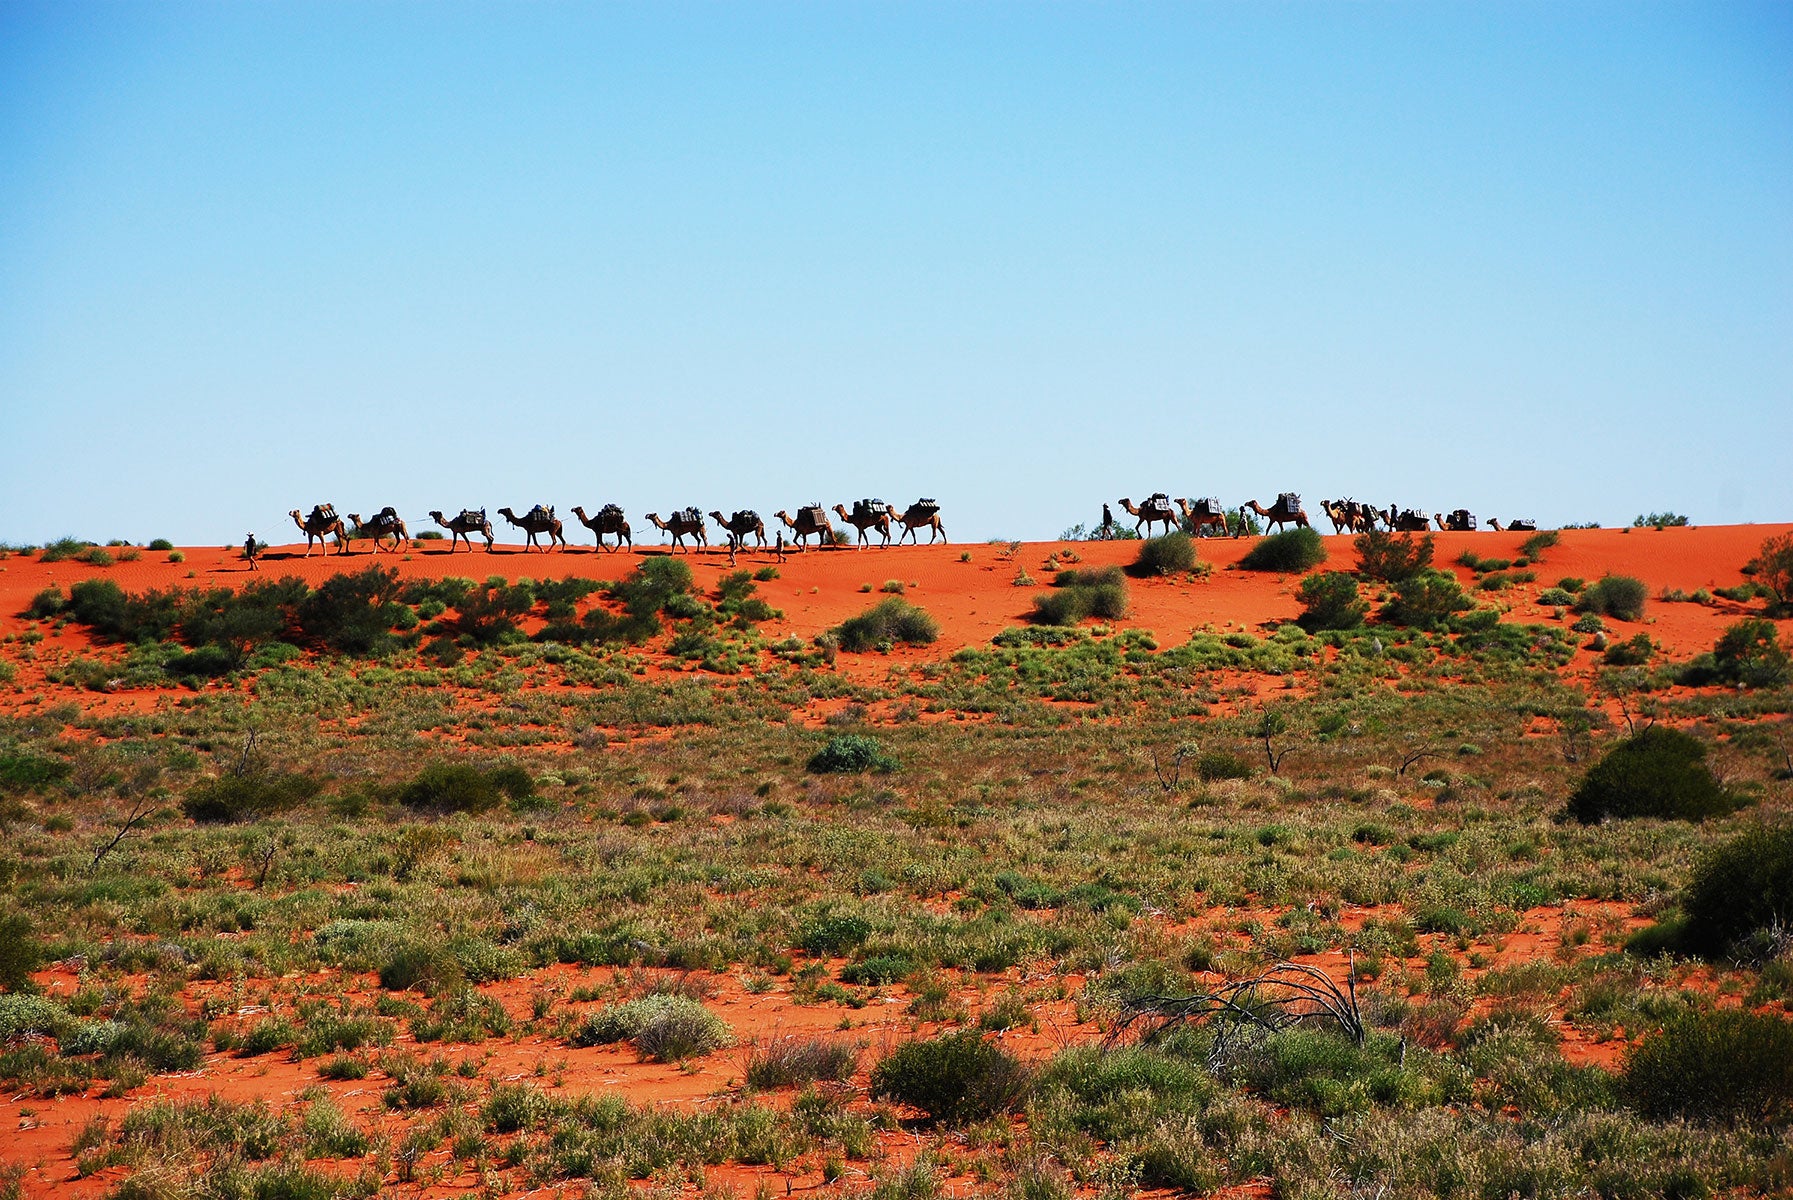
<point x="473" y="515"/>
<point x="745" y="516"/>
<point x="1288" y="501"/>
<point x="813" y="513"/>
<point x="1158" y="502"/>
<point x="924" y="508"/>
<point x="388" y="512"/>
<point x="692" y="515"/>
<point x="611" y="510"/>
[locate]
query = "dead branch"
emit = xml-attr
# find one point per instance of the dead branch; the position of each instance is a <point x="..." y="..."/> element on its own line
<point x="1286" y="995"/>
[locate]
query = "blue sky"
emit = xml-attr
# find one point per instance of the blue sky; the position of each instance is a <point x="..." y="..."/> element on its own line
<point x="1527" y="259"/>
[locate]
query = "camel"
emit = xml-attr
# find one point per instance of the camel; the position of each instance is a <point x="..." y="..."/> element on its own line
<point x="866" y="515"/>
<point x="922" y="514"/>
<point x="688" y="523"/>
<point x="1520" y="525"/>
<point x="1286" y="511"/>
<point x="610" y="519"/>
<point x="1405" y="520"/>
<point x="1156" y="509"/>
<point x="386" y="521"/>
<point x="322" y="522"/>
<point x="1202" y="515"/>
<point x="463" y="527"/>
<point x="537" y="520"/>
<point x="811" y="519"/>
<point x="1458" y="522"/>
<point x="1494" y="524"/>
<point x="744" y="522"/>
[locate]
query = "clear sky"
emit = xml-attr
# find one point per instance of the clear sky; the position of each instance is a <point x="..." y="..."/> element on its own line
<point x="1529" y="259"/>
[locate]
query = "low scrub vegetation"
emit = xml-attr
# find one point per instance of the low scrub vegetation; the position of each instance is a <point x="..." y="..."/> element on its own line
<point x="1659" y="772"/>
<point x="954" y="1078"/>
<point x="1290" y="552"/>
<point x="1171" y="554"/>
<point x="1617" y="596"/>
<point x="892" y="622"/>
<point x="1077" y="595"/>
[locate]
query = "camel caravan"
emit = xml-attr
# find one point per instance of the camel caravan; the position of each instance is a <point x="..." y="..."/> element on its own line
<point x="688" y="527"/>
<point x="1207" y="516"/>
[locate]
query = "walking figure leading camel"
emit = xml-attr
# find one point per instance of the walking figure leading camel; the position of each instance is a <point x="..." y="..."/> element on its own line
<point x="811" y="520"/>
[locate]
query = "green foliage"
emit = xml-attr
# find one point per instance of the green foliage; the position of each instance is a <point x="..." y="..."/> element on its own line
<point x="662" y="1027"/>
<point x="851" y="754"/>
<point x="21" y="1015"/>
<point x="1426" y="600"/>
<point x="1659" y="772"/>
<point x="1080" y="594"/>
<point x="161" y="544"/>
<point x="1771" y="570"/>
<point x="788" y="1062"/>
<point x="1392" y="557"/>
<point x="954" y="1078"/>
<point x="891" y="622"/>
<point x="47" y="603"/>
<point x="1215" y="765"/>
<point x="20" y="952"/>
<point x="1291" y="551"/>
<point x="834" y="933"/>
<point x="62" y="549"/>
<point x="1658" y="520"/>
<point x="1329" y="600"/>
<point x="1534" y="546"/>
<point x="1740" y="898"/>
<point x="1634" y="653"/>
<point x="1618" y="596"/>
<point x="1750" y="653"/>
<point x="445" y="787"/>
<point x="25" y="772"/>
<point x="1171" y="554"/>
<point x="250" y="793"/>
<point x="1715" y="1065"/>
<point x="355" y="614"/>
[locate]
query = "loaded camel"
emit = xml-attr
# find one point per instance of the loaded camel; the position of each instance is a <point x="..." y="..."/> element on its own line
<point x="1149" y="514"/>
<point x="864" y="517"/>
<point x="1283" y="512"/>
<point x="384" y="522"/>
<point x="1405" y="520"/>
<point x="744" y="522"/>
<point x="688" y="523"/>
<point x="810" y="520"/>
<point x="923" y="514"/>
<point x="322" y="522"/>
<point x="1203" y="514"/>
<point x="610" y="519"/>
<point x="463" y="527"/>
<point x="537" y="520"/>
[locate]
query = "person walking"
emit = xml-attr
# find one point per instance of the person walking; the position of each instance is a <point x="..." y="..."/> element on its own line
<point x="249" y="550"/>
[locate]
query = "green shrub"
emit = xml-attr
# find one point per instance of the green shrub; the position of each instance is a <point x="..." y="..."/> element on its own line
<point x="851" y="754"/>
<point x="1534" y="546"/>
<point x="20" y="952"/>
<point x="21" y="1015"/>
<point x="892" y="622"/>
<point x="514" y="1106"/>
<point x="30" y="772"/>
<point x="1715" y="1065"/>
<point x="247" y="796"/>
<point x="788" y="1062"/>
<point x="428" y="966"/>
<point x="1329" y="600"/>
<point x="1556" y="597"/>
<point x="1660" y="772"/>
<point x="954" y="1078"/>
<point x="834" y="933"/>
<point x="46" y="604"/>
<point x="1634" y="653"/>
<point x="1080" y="594"/>
<point x="662" y="1027"/>
<point x="1750" y="653"/>
<point x="62" y="549"/>
<point x="1618" y="596"/>
<point x="1771" y="573"/>
<point x="446" y="787"/>
<point x="1290" y="552"/>
<point x="1426" y="600"/>
<point x="1658" y="520"/>
<point x="1740" y="898"/>
<point x="1218" y="764"/>
<point x="1392" y="557"/>
<point x="1171" y="554"/>
<point x="161" y="544"/>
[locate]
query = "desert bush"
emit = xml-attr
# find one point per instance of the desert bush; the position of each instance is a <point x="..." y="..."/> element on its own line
<point x="1634" y="653"/>
<point x="248" y="795"/>
<point x="21" y="1015"/>
<point x="355" y="614"/>
<point x="1658" y="520"/>
<point x="1618" y="596"/>
<point x="1556" y="597"/>
<point x="1715" y="1065"/>
<point x="834" y="933"/>
<point x="787" y="1062"/>
<point x="1170" y="554"/>
<point x="46" y="603"/>
<point x="1329" y="600"/>
<point x="1392" y="557"/>
<point x="1426" y="600"/>
<point x="1215" y="765"/>
<point x="62" y="549"/>
<point x="1750" y="653"/>
<point x="428" y="966"/>
<point x="161" y="544"/>
<point x="1080" y="594"/>
<point x="1771" y="570"/>
<point x="662" y="1027"/>
<point x="892" y="622"/>
<point x="850" y="754"/>
<point x="21" y="772"/>
<point x="1740" y="897"/>
<point x="954" y="1078"/>
<point x="446" y="787"/>
<point x="20" y="952"/>
<point x="1534" y="546"/>
<point x="514" y="1106"/>
<point x="1290" y="552"/>
<point x="1659" y="772"/>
